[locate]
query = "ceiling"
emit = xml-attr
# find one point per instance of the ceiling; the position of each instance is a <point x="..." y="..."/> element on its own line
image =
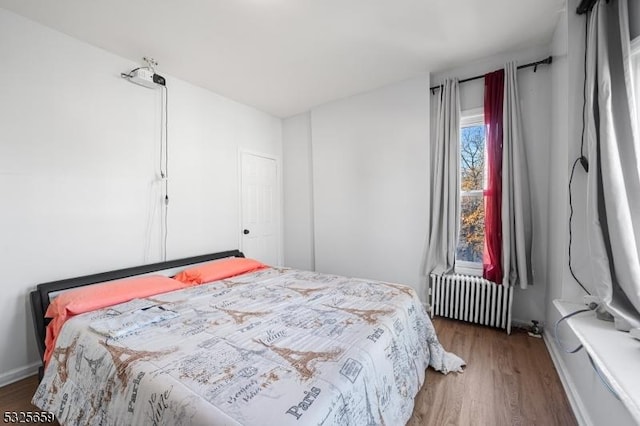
<point x="287" y="56"/>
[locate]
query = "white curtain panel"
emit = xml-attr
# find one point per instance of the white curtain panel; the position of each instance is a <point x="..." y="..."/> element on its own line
<point x="613" y="182"/>
<point x="516" y="199"/>
<point x="444" y="196"/>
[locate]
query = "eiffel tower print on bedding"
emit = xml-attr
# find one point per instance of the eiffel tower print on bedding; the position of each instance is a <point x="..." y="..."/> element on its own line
<point x="277" y="346"/>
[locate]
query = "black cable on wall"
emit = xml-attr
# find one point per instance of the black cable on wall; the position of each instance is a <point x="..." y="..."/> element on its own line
<point x="581" y="159"/>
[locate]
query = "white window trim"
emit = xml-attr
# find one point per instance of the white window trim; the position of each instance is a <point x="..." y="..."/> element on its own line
<point x="472" y="117"/>
<point x="468" y="118"/>
<point x="464" y="267"/>
<point x="472" y="193"/>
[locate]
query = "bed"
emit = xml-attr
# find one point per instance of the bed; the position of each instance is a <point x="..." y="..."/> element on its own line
<point x="265" y="346"/>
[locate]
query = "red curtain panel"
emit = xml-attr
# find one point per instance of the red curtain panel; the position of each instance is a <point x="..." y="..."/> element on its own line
<point x="493" y="104"/>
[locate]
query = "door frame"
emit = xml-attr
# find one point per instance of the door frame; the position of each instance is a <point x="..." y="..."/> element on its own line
<point x="279" y="201"/>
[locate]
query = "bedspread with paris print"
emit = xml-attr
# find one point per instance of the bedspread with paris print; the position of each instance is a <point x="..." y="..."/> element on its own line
<point x="273" y="347"/>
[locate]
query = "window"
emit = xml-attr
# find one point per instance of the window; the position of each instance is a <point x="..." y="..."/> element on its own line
<point x="470" y="246"/>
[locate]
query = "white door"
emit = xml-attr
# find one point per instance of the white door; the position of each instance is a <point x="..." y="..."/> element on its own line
<point x="260" y="204"/>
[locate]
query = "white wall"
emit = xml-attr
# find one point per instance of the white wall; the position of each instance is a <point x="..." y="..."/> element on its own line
<point x="370" y="169"/>
<point x="566" y="110"/>
<point x="78" y="160"/>
<point x="298" y="193"/>
<point x="535" y="98"/>
<point x="558" y="158"/>
<point x="369" y="195"/>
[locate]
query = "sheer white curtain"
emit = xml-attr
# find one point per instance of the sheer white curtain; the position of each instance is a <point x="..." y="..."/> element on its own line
<point x="516" y="199"/>
<point x="613" y="182"/>
<point x="444" y="197"/>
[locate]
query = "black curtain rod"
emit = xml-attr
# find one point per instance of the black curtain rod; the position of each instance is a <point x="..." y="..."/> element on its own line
<point x="585" y="6"/>
<point x="546" y="61"/>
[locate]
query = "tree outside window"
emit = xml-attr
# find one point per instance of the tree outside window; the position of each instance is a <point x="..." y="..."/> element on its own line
<point x="472" y="171"/>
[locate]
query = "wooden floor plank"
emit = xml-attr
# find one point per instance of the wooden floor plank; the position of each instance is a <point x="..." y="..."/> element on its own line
<point x="509" y="380"/>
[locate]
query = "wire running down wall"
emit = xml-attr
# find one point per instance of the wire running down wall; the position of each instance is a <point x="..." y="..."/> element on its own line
<point x="79" y="154"/>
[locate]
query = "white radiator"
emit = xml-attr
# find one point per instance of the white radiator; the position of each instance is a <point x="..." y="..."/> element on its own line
<point x="471" y="299"/>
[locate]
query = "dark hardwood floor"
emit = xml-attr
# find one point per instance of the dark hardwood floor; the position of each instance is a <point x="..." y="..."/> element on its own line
<point x="509" y="380"/>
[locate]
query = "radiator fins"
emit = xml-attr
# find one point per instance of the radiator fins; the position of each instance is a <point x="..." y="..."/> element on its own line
<point x="472" y="299"/>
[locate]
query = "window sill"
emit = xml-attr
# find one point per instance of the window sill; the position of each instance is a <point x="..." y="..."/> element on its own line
<point x="468" y="268"/>
<point x="614" y="352"/>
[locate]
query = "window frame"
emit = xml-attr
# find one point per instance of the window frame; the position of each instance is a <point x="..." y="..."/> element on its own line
<point x="468" y="118"/>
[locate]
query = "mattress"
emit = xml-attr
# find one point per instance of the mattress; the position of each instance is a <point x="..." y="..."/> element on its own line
<point x="276" y="347"/>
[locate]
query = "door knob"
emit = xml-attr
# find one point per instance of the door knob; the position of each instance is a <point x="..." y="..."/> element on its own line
<point x="245" y="232"/>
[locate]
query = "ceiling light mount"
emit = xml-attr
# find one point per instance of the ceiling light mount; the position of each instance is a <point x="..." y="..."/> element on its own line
<point x="145" y="75"/>
<point x="151" y="63"/>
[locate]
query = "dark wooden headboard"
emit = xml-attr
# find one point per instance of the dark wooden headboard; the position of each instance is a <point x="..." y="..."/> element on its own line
<point x="40" y="296"/>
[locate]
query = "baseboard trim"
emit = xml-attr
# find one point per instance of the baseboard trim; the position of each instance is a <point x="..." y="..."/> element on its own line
<point x="19" y="373"/>
<point x="579" y="410"/>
